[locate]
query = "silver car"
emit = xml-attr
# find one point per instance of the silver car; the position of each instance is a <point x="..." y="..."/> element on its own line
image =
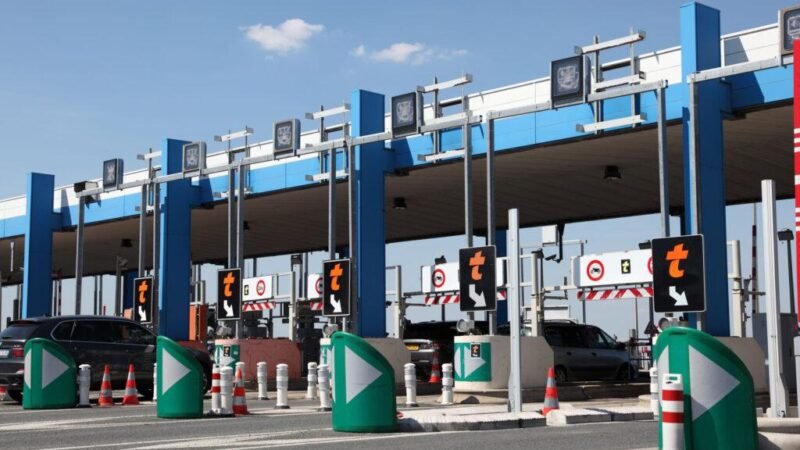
<point x="585" y="352"/>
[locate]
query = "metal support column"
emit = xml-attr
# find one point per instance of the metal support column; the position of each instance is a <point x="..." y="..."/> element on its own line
<point x="778" y="395"/>
<point x="95" y="297"/>
<point x="737" y="294"/>
<point x="156" y="188"/>
<point x="79" y="255"/>
<point x="514" y="294"/>
<point x="694" y="177"/>
<point x="537" y="300"/>
<point x="400" y="304"/>
<point x="663" y="161"/>
<point x="491" y="316"/>
<point x="142" y="232"/>
<point x="467" y="144"/>
<point x="352" y="236"/>
<point x="292" y="307"/>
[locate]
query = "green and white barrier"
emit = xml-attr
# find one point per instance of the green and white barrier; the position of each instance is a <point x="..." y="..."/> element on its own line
<point x="180" y="381"/>
<point x="50" y="376"/>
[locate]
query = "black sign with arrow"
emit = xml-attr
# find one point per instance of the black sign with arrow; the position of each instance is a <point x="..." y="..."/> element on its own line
<point x="679" y="274"/>
<point x="143" y="299"/>
<point x="477" y="278"/>
<point x="229" y="294"/>
<point x="336" y="287"/>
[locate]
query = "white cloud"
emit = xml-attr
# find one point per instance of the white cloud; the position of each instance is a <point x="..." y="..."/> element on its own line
<point x="407" y="53"/>
<point x="287" y="37"/>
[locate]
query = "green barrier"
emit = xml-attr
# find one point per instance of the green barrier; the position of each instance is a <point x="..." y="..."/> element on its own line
<point x="363" y="387"/>
<point x="50" y="376"/>
<point x="180" y="381"/>
<point x="473" y="361"/>
<point x="719" y="406"/>
<point x="226" y="355"/>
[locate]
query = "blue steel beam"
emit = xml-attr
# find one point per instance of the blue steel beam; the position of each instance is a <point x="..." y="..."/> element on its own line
<point x="37" y="288"/>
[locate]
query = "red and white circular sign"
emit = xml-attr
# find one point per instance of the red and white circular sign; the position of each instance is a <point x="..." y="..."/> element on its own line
<point x="261" y="287"/>
<point x="650" y="265"/>
<point x="318" y="286"/>
<point x="595" y="270"/>
<point x="438" y="278"/>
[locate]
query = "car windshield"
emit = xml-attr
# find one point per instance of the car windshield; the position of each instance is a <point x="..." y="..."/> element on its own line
<point x="20" y="330"/>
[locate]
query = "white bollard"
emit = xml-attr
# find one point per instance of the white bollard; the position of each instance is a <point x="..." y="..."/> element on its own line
<point x="654" y="391"/>
<point x="226" y="390"/>
<point x="84" y="380"/>
<point x="672" y="412"/>
<point x="410" y="376"/>
<point x="155" y="382"/>
<point x="324" y="388"/>
<point x="261" y="375"/>
<point x="216" y="402"/>
<point x="447" y="384"/>
<point x="241" y="365"/>
<point x="311" y="392"/>
<point x="282" y="386"/>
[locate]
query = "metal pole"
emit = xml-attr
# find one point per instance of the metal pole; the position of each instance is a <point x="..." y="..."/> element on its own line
<point x="694" y="176"/>
<point x="94" y="303"/>
<point x="737" y="297"/>
<point x="231" y="211"/>
<point x="292" y="307"/>
<point x="352" y="232"/>
<point x="79" y="256"/>
<point x="491" y="316"/>
<point x="156" y="188"/>
<point x="332" y="203"/>
<point x="663" y="161"/>
<point x="100" y="296"/>
<point x="514" y="288"/>
<point x="142" y="231"/>
<point x="778" y="395"/>
<point x="1" y="301"/>
<point x="240" y="199"/>
<point x="467" y="144"/>
<point x="118" y="289"/>
<point x="792" y="308"/>
<point x="536" y="295"/>
<point x="754" y="264"/>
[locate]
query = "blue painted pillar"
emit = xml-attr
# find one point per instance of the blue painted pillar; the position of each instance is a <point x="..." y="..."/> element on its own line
<point x="700" y="50"/>
<point x="177" y="198"/>
<point x="367" y="115"/>
<point x="502" y="250"/>
<point x="37" y="287"/>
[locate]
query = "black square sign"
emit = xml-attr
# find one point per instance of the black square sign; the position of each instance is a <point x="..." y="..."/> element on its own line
<point x="336" y="287"/>
<point x="143" y="299"/>
<point x="404" y="114"/>
<point x="229" y="294"/>
<point x="679" y="274"/>
<point x="477" y="278"/>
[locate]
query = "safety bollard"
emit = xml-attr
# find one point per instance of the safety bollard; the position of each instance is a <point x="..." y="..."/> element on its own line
<point x="411" y="384"/>
<point x="155" y="382"/>
<point x="261" y="377"/>
<point x="324" y="388"/>
<point x="84" y="380"/>
<point x="282" y="386"/>
<point x="672" y="412"/>
<point x="226" y="390"/>
<point x="654" y="391"/>
<point x="447" y="384"/>
<point x="215" y="391"/>
<point x="240" y="365"/>
<point x="311" y="392"/>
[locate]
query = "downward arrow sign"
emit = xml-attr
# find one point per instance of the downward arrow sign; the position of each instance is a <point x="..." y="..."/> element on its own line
<point x="337" y="305"/>
<point x="142" y="314"/>
<point x="680" y="299"/>
<point x="228" y="308"/>
<point x="480" y="300"/>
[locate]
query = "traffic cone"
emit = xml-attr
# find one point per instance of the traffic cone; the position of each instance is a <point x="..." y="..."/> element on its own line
<point x="550" y="393"/>
<point x="239" y="400"/>
<point x="106" y="398"/>
<point x="3" y="393"/>
<point x="436" y="369"/>
<point x="131" y="396"/>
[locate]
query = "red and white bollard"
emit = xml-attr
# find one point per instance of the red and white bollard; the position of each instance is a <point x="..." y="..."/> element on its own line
<point x="654" y="391"/>
<point x="672" y="412"/>
<point x="216" y="402"/>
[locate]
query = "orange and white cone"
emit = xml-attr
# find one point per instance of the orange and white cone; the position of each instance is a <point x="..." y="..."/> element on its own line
<point x="436" y="369"/>
<point x="131" y="396"/>
<point x="239" y="400"/>
<point x="550" y="393"/>
<point x="106" y="397"/>
<point x="3" y="393"/>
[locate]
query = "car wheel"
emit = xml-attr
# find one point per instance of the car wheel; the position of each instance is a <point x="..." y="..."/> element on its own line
<point x="16" y="396"/>
<point x="561" y="374"/>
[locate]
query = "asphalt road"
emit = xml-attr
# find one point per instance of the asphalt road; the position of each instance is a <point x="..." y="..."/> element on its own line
<point x="138" y="427"/>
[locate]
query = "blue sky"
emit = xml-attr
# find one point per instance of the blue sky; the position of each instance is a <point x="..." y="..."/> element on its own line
<point x="84" y="81"/>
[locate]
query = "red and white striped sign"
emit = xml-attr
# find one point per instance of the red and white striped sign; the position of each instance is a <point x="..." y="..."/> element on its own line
<point x="257" y="306"/>
<point x="316" y="306"/>
<point x="616" y="294"/>
<point x="452" y="298"/>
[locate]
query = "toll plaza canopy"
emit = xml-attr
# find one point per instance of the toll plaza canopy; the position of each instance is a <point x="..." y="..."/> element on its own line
<point x="550" y="162"/>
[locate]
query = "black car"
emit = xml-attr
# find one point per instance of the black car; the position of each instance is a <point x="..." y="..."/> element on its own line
<point x="423" y="339"/>
<point x="94" y="340"/>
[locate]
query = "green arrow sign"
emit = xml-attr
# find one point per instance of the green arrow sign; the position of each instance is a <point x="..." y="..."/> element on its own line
<point x="719" y="408"/>
<point x="180" y="381"/>
<point x="473" y="361"/>
<point x="49" y="378"/>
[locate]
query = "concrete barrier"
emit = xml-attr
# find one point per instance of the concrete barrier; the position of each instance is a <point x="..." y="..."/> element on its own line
<point x="776" y="434"/>
<point x="537" y="357"/>
<point x="271" y="351"/>
<point x="395" y="351"/>
<point x="751" y="354"/>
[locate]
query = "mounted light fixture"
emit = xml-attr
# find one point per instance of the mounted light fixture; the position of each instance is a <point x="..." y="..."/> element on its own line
<point x="645" y="245"/>
<point x="399" y="203"/>
<point x="440" y="260"/>
<point x="785" y="235"/>
<point x="612" y="173"/>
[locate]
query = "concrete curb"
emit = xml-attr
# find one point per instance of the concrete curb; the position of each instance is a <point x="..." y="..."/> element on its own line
<point x="496" y="421"/>
<point x="561" y="417"/>
<point x="626" y="413"/>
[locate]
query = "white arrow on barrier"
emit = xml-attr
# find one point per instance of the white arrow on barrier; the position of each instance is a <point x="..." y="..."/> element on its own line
<point x="710" y="382"/>
<point x="27" y="368"/>
<point x="680" y="299"/>
<point x="228" y="308"/>
<point x="472" y="364"/>
<point x="337" y="305"/>
<point x="360" y="374"/>
<point x="52" y="368"/>
<point x="457" y="362"/>
<point x="142" y="314"/>
<point x="172" y="372"/>
<point x="480" y="300"/>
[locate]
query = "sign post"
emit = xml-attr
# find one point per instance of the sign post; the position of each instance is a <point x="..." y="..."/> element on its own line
<point x="336" y="288"/>
<point x="477" y="279"/>
<point x="229" y="294"/>
<point x="679" y="274"/>
<point x="143" y="293"/>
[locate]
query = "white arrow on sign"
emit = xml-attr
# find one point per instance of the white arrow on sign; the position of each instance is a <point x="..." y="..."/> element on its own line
<point x="52" y="368"/>
<point x="360" y="374"/>
<point x="337" y="305"/>
<point x="142" y="314"/>
<point x="172" y="372"/>
<point x="457" y="361"/>
<point x="710" y="382"/>
<point x="480" y="300"/>
<point x="228" y="308"/>
<point x="27" y="369"/>
<point x="472" y="364"/>
<point x="680" y="299"/>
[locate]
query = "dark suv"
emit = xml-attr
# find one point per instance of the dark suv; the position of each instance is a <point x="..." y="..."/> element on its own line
<point x="94" y="340"/>
<point x="424" y="338"/>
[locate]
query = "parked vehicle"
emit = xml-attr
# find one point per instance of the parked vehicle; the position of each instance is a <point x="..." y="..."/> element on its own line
<point x="424" y="338"/>
<point x="94" y="340"/>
